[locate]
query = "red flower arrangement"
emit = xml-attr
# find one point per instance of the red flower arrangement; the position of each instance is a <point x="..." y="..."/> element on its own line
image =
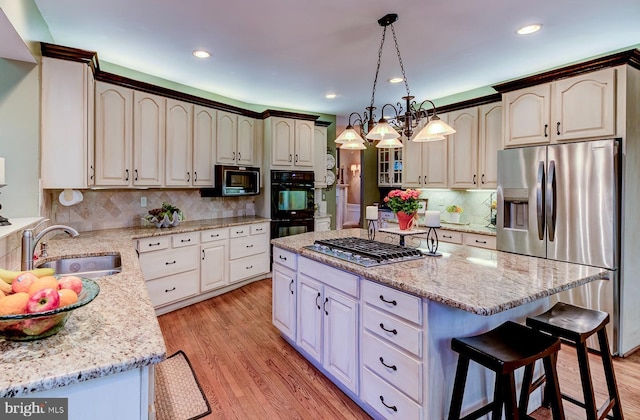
<point x="405" y="201"/>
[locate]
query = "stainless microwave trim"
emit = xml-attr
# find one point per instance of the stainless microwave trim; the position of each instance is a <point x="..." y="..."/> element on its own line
<point x="220" y="189"/>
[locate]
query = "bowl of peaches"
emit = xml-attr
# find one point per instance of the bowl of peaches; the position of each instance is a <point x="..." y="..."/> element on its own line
<point x="36" y="304"/>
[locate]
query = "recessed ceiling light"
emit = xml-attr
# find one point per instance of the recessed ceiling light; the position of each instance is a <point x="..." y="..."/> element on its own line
<point x="396" y="80"/>
<point x="529" y="29"/>
<point x="331" y="95"/>
<point x="202" y="54"/>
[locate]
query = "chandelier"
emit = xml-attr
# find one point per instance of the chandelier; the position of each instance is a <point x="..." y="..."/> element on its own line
<point x="406" y="118"/>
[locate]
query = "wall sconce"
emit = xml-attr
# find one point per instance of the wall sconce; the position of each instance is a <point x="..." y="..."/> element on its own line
<point x="355" y="169"/>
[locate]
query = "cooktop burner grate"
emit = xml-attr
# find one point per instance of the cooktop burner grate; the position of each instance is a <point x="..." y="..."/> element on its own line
<point x="364" y="251"/>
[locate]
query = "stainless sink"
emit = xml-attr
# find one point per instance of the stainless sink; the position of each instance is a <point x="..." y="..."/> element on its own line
<point x="90" y="266"/>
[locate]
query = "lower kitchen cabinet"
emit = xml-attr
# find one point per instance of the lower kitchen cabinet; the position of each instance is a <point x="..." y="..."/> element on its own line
<point x="214" y="253"/>
<point x="466" y="238"/>
<point x="284" y="292"/>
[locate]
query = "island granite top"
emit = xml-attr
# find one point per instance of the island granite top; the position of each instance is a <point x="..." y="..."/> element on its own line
<point x="116" y="332"/>
<point x="476" y="280"/>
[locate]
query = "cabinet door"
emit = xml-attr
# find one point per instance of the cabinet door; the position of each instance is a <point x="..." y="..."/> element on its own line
<point x="489" y="142"/>
<point x="583" y="106"/>
<point x="526" y="116"/>
<point x="303" y="148"/>
<point x="282" y="141"/>
<point x="113" y="135"/>
<point x="148" y="139"/>
<point x="179" y="143"/>
<point x="284" y="300"/>
<point x="412" y="166"/>
<point x="204" y="139"/>
<point x="309" y="316"/>
<point x="434" y="162"/>
<point x="340" y="337"/>
<point x="226" y="138"/>
<point x="246" y="147"/>
<point x="320" y="157"/>
<point x="213" y="271"/>
<point x="463" y="149"/>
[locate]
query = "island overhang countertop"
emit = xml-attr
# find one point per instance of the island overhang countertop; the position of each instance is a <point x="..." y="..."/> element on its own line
<point x="476" y="280"/>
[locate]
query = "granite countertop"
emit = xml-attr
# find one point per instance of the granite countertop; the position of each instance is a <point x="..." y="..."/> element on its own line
<point x="116" y="332"/>
<point x="476" y="280"/>
<point x="458" y="227"/>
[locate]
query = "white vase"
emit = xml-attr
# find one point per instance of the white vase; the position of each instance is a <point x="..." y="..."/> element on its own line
<point x="454" y="217"/>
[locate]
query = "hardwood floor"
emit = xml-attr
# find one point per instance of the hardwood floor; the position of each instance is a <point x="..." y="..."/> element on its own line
<point x="248" y="371"/>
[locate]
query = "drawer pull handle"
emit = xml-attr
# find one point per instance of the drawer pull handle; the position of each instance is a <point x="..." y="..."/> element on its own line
<point x="391" y="407"/>
<point x="393" y="302"/>
<point x="170" y="263"/>
<point x="249" y="267"/>
<point x="185" y="240"/>
<point x="324" y="306"/>
<point x="259" y="230"/>
<point x="156" y="244"/>
<point x="170" y="290"/>
<point x="448" y="237"/>
<point x="392" y="367"/>
<point x="481" y="242"/>
<point x="282" y="258"/>
<point x="203" y="254"/>
<point x="238" y="232"/>
<point x="393" y="331"/>
<point x="215" y="236"/>
<point x="291" y="289"/>
<point x="317" y="304"/>
<point x="250" y="246"/>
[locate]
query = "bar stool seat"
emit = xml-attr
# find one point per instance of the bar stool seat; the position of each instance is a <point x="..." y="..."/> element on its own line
<point x="576" y="324"/>
<point x="503" y="350"/>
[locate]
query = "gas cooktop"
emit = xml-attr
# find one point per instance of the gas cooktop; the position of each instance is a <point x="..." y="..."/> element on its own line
<point x="365" y="252"/>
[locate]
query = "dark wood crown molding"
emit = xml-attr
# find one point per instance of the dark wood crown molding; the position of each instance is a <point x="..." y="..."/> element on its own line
<point x="630" y="57"/>
<point x="70" y="54"/>
<point x="323" y="123"/>
<point x="286" y="114"/>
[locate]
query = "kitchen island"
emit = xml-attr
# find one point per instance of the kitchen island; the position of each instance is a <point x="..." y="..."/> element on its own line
<point x="102" y="360"/>
<point x="383" y="333"/>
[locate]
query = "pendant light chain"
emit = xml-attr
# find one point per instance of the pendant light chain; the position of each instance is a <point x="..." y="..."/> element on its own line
<point x="404" y="76"/>
<point x="375" y="80"/>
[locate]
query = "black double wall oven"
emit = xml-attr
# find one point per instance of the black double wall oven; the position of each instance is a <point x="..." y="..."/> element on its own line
<point x="292" y="203"/>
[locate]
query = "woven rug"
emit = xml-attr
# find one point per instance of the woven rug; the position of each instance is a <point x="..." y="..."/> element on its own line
<point x="178" y="392"/>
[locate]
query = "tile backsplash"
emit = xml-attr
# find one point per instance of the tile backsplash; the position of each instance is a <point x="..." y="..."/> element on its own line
<point x="476" y="204"/>
<point x="107" y="209"/>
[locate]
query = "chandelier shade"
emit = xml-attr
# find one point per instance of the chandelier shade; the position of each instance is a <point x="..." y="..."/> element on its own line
<point x="382" y="131"/>
<point x="435" y="130"/>
<point x="349" y="134"/>
<point x="353" y="145"/>
<point x="391" y="143"/>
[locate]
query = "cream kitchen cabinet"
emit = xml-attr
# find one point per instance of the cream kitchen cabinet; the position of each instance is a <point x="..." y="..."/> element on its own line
<point x="322" y="223"/>
<point x="292" y="143"/>
<point x="473" y="149"/>
<point x="236" y="139"/>
<point x="327" y="319"/>
<point x="214" y="254"/>
<point x="248" y="251"/>
<point x="320" y="156"/>
<point x="425" y="163"/>
<point x="179" y="144"/>
<point x="390" y="163"/>
<point x="204" y="145"/>
<point x="580" y="107"/>
<point x="467" y="238"/>
<point x="284" y="292"/>
<point x="67" y="124"/>
<point x="148" y="139"/>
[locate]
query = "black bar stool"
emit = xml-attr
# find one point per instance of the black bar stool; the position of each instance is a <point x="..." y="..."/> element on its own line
<point x="575" y="325"/>
<point x="503" y="350"/>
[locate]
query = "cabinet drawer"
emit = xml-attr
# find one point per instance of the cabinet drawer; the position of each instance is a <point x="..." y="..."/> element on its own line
<point x="482" y="241"/>
<point x="167" y="262"/>
<point x="384" y="398"/>
<point x="394" y="301"/>
<point x="239" y="231"/>
<point x="153" y="244"/>
<point x="393" y="330"/>
<point x="259" y="229"/>
<point x="244" y="268"/>
<point x="395" y="367"/>
<point x="450" y="236"/>
<point x="249" y="245"/>
<point x="213" y="235"/>
<point x="338" y="279"/>
<point x="169" y="289"/>
<point x="284" y="257"/>
<point x="184" y="239"/>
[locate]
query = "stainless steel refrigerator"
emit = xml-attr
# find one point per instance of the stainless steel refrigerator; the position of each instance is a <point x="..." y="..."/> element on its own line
<point x="561" y="202"/>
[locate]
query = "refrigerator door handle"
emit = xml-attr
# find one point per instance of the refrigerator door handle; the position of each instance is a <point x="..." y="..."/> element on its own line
<point x="540" y="200"/>
<point x="551" y="201"/>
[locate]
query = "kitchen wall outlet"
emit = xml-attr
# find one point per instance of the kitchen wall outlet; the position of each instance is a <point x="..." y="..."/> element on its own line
<point x="324" y="196"/>
<point x="143" y="201"/>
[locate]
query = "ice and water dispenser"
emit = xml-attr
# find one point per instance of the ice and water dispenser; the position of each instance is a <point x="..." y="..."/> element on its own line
<point x="516" y="208"/>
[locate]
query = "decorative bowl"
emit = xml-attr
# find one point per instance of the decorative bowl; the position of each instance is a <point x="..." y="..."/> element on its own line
<point x="27" y="327"/>
<point x="165" y="221"/>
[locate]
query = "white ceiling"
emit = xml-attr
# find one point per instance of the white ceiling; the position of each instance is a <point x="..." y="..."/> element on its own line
<point x="290" y="53"/>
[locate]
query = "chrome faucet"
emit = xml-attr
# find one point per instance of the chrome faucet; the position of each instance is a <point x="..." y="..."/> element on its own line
<point x="29" y="241"/>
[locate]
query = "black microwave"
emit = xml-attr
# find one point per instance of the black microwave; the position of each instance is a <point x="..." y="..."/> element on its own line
<point x="233" y="181"/>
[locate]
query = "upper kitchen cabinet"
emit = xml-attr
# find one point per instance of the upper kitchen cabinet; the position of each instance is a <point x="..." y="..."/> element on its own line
<point x="320" y="156"/>
<point x="390" y="167"/>
<point x="291" y="142"/>
<point x="463" y="148"/>
<point x="425" y="164"/>
<point x="148" y="139"/>
<point x="236" y="140"/>
<point x="204" y="144"/>
<point x="179" y="144"/>
<point x="114" y="135"/>
<point x="579" y="107"/>
<point x="67" y="124"/>
<point x="489" y="142"/>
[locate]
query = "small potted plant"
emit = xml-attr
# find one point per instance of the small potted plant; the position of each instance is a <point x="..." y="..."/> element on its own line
<point x="166" y="216"/>
<point x="454" y="213"/>
<point x="405" y="205"/>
